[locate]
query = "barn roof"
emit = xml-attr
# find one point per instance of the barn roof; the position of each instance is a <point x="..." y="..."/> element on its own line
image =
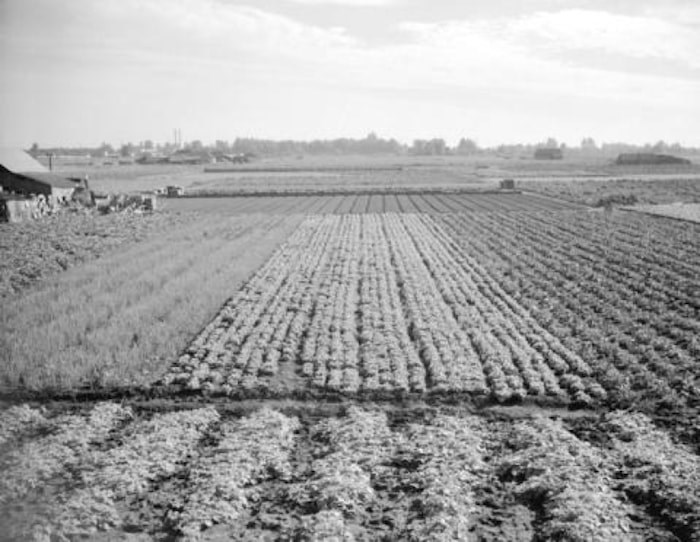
<point x="48" y="178"/>
<point x="17" y="160"/>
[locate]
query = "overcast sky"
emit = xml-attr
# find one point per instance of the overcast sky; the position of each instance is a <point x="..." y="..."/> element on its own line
<point x="79" y="72"/>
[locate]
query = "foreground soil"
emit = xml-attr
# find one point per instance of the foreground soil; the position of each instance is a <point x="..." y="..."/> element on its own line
<point x="287" y="470"/>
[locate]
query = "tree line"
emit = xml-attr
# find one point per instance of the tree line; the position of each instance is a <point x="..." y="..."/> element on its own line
<point x="371" y="144"/>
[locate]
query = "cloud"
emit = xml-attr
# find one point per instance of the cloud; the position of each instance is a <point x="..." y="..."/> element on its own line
<point x="683" y="12"/>
<point x="571" y="53"/>
<point x="347" y="3"/>
<point x="208" y="29"/>
<point x="625" y="35"/>
<point x="254" y="69"/>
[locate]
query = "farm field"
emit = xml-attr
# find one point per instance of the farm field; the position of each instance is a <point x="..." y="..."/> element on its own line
<point x="360" y="473"/>
<point x="282" y="176"/>
<point x="130" y="178"/>
<point x="383" y="173"/>
<point x="597" y="192"/>
<point x="364" y="203"/>
<point x="364" y="365"/>
<point x="680" y="211"/>
<point x="116" y="320"/>
<point x="415" y="178"/>
<point x="35" y="250"/>
<point x="570" y="306"/>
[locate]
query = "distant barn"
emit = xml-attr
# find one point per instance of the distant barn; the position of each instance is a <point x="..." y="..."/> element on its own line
<point x="648" y="159"/>
<point x="546" y="153"/>
<point x="21" y="174"/>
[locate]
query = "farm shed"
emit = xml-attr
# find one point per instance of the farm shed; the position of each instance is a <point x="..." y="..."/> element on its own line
<point x="21" y="174"/>
<point x="16" y="208"/>
<point x="648" y="159"/>
<point x="553" y="153"/>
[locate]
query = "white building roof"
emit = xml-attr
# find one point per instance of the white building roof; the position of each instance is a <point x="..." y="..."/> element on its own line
<point x="17" y="160"/>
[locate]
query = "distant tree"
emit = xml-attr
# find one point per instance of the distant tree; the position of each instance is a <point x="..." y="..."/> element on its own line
<point x="196" y="145"/>
<point x="127" y="150"/>
<point x="148" y="145"/>
<point x="419" y="146"/>
<point x="660" y="146"/>
<point x="551" y="143"/>
<point x="437" y="146"/>
<point x="34" y="150"/>
<point x="432" y="147"/>
<point x="467" y="146"/>
<point x="105" y="149"/>
<point x="588" y="143"/>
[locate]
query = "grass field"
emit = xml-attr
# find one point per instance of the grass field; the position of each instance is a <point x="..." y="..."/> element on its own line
<point x="679" y="211"/>
<point x="32" y="251"/>
<point x="367" y="361"/>
<point x="402" y="302"/>
<point x="383" y="173"/>
<point x="369" y="203"/>
<point x="597" y="192"/>
<point x="118" y="319"/>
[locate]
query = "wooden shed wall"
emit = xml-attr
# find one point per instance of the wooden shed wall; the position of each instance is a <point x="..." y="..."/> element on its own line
<point x="21" y="185"/>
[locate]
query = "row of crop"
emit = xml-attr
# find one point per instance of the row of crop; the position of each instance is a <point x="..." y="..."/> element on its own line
<point x="255" y="330"/>
<point x="350" y="476"/>
<point x="550" y="297"/>
<point x="570" y="480"/>
<point x="655" y="472"/>
<point x="272" y="339"/>
<point x="330" y="351"/>
<point x="66" y="439"/>
<point x="381" y="302"/>
<point x="445" y="349"/>
<point x="581" y="276"/>
<point x="619" y="253"/>
<point x="593" y="313"/>
<point x="352" y="300"/>
<point x="519" y="356"/>
<point x="363" y="474"/>
<point x="35" y="249"/>
<point x="388" y="358"/>
<point x="224" y="482"/>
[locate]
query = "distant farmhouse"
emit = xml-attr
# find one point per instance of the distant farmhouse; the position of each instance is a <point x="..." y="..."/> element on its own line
<point x="548" y="153"/>
<point x="21" y="174"/>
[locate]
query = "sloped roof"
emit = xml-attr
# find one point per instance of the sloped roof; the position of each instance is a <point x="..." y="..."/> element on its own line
<point x="45" y="177"/>
<point x="18" y="160"/>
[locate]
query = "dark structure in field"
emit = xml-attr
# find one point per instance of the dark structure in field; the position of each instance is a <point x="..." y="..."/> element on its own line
<point x="649" y="159"/>
<point x="188" y="157"/>
<point x="546" y="153"/>
<point x="174" y="191"/>
<point x="21" y="174"/>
